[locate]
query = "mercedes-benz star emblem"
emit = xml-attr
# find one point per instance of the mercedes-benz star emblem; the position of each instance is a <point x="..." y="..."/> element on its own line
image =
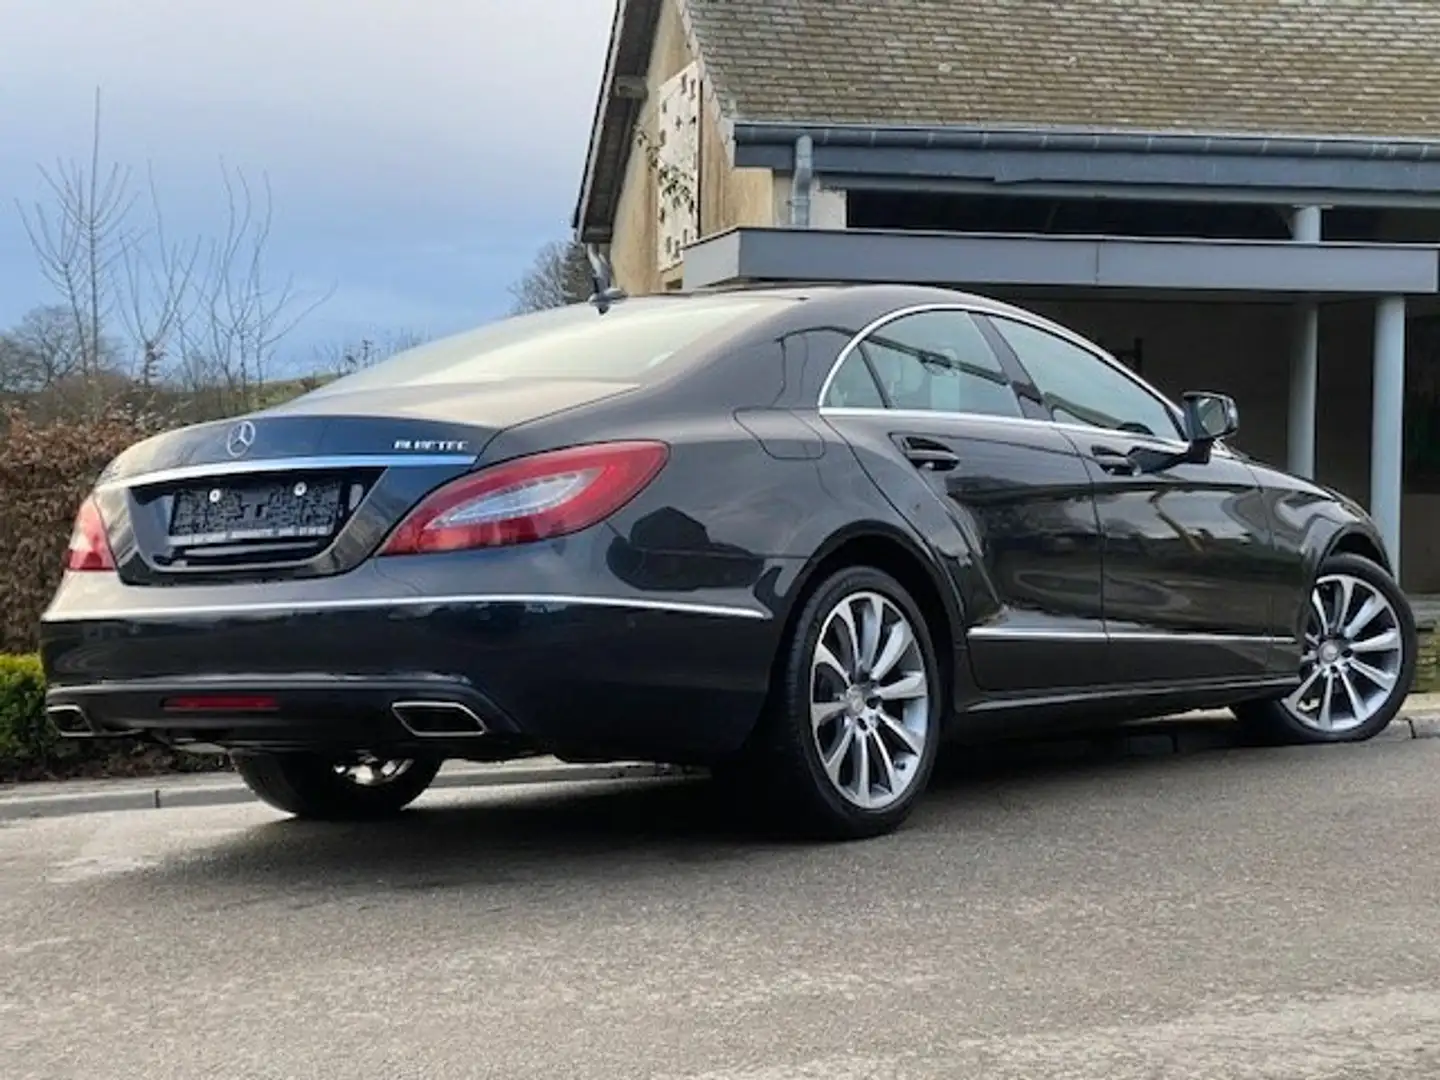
<point x="242" y="437"/>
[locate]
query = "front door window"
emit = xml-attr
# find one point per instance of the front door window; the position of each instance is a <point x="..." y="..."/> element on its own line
<point x="1077" y="387"/>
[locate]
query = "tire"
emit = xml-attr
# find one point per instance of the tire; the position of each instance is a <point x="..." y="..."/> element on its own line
<point x="1377" y="676"/>
<point x="783" y="773"/>
<point x="311" y="786"/>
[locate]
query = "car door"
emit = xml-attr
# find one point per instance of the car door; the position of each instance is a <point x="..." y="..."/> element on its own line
<point x="925" y="395"/>
<point x="1186" y="545"/>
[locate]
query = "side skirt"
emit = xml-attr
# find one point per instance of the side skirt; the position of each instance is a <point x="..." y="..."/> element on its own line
<point x="1030" y="713"/>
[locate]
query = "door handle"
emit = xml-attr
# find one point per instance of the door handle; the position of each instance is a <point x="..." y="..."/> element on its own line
<point x="925" y="454"/>
<point x="1114" y="462"/>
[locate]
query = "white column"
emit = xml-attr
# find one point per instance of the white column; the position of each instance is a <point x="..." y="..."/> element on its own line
<point x="1304" y="359"/>
<point x="1387" y="418"/>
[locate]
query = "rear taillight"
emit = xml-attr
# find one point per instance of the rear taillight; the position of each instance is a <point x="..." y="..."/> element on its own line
<point x="530" y="498"/>
<point x="89" y="547"/>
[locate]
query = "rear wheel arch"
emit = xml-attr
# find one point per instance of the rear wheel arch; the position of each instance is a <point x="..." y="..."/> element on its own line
<point x="805" y="765"/>
<point x="886" y="550"/>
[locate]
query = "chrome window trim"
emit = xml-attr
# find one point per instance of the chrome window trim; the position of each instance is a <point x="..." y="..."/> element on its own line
<point x="288" y="464"/>
<point x="263" y="607"/>
<point x="1086" y="429"/>
<point x="1017" y="315"/>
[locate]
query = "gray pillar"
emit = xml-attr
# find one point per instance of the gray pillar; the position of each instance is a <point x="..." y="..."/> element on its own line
<point x="1304" y="359"/>
<point x="800" y="182"/>
<point x="1304" y="383"/>
<point x="1387" y="417"/>
<point x="1305" y="224"/>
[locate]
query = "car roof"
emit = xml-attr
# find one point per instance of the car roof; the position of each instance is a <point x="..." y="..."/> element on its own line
<point x="818" y="289"/>
<point x="898" y="294"/>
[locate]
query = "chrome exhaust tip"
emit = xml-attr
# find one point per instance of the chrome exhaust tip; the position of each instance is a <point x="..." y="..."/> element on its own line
<point x="438" y="719"/>
<point x="71" y="722"/>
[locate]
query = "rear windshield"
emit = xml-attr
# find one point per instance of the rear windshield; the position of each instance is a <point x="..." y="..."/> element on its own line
<point x="634" y="337"/>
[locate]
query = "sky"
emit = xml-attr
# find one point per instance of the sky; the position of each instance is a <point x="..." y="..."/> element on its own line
<point x="418" y="153"/>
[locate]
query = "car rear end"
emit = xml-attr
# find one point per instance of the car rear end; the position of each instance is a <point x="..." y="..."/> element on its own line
<point x="358" y="572"/>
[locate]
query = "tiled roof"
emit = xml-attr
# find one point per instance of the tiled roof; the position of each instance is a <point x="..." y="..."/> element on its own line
<point x="1331" y="67"/>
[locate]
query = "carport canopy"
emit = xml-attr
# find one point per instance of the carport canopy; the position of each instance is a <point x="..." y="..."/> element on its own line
<point x="1321" y="268"/>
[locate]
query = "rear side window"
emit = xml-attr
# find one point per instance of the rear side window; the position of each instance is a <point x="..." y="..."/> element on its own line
<point x="633" y="338"/>
<point x="931" y="361"/>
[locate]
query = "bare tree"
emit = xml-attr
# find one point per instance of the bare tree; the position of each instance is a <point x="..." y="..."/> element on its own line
<point x="559" y="275"/>
<point x="20" y="368"/>
<point x="204" y="314"/>
<point x="43" y="350"/>
<point x="244" y="319"/>
<point x="79" y="240"/>
<point x="161" y="288"/>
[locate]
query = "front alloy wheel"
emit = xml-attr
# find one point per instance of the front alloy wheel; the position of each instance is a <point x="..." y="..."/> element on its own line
<point x="1354" y="655"/>
<point x="1357" y="661"/>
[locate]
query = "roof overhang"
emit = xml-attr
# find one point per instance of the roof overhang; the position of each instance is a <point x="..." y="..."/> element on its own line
<point x="1222" y="267"/>
<point x="622" y="94"/>
<point x="1272" y="167"/>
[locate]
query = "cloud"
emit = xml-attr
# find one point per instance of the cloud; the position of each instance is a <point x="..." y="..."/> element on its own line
<point x="418" y="152"/>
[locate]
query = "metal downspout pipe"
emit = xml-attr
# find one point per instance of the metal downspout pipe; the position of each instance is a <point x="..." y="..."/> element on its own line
<point x="800" y="181"/>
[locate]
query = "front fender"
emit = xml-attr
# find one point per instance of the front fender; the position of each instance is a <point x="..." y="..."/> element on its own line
<point x="1309" y="523"/>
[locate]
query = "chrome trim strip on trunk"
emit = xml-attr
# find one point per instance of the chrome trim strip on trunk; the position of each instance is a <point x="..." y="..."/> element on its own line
<point x="683" y="607"/>
<point x="285" y="464"/>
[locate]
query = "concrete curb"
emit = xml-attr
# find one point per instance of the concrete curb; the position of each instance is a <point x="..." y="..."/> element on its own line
<point x="110" y="796"/>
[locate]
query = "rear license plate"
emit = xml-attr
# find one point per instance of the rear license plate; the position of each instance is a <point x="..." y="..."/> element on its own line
<point x="273" y="510"/>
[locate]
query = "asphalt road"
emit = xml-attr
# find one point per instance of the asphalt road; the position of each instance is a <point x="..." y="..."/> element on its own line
<point x="1237" y="914"/>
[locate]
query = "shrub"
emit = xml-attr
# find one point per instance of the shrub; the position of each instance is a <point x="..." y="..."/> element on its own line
<point x="26" y="738"/>
<point x="30" y="749"/>
<point x="46" y="469"/>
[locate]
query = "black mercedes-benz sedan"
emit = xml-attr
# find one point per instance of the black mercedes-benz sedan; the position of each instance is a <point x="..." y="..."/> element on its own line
<point x="798" y="535"/>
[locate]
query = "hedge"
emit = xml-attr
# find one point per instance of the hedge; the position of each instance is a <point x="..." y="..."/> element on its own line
<point x="46" y="469"/>
<point x="30" y="749"/>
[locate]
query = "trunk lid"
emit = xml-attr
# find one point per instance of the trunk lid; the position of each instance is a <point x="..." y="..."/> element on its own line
<point x="309" y="488"/>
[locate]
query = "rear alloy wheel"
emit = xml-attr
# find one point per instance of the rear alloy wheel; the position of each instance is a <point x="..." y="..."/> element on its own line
<point x="312" y="786"/>
<point x="1357" y="662"/>
<point x="852" y="734"/>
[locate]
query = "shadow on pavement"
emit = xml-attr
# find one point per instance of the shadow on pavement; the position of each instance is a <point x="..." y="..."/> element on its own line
<point x="598" y="831"/>
<point x="1097" y="750"/>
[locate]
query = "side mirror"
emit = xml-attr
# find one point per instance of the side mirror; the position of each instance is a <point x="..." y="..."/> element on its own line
<point x="1209" y="417"/>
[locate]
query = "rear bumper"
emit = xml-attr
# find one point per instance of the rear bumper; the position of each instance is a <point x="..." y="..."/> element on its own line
<point x="313" y="713"/>
<point x="601" y="677"/>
